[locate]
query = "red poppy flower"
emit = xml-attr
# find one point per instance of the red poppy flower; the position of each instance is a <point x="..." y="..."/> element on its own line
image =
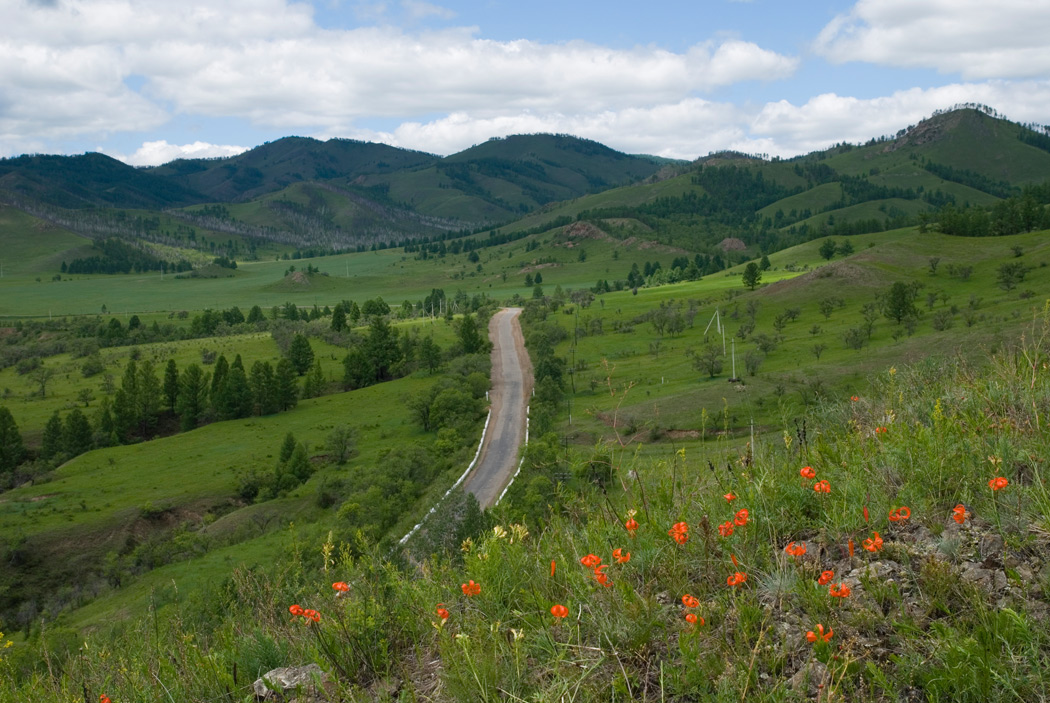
<point x="998" y="483"/>
<point x="690" y="601"/>
<point x="729" y="497"/>
<point x="441" y="612"/>
<point x="808" y="472"/>
<point x="795" y="550"/>
<point x="741" y="518"/>
<point x="959" y="513"/>
<point x="825" y="577"/>
<point x="471" y="588"/>
<point x="901" y="513"/>
<point x="737" y="579"/>
<point x="839" y="590"/>
<point x="620" y="556"/>
<point x="820" y="634"/>
<point x="874" y="544"/>
<point x="725" y="529"/>
<point x="822" y="486"/>
<point x="295" y="610"/>
<point x="559" y="611"/>
<point x="590" y="561"/>
<point x="631" y="526"/>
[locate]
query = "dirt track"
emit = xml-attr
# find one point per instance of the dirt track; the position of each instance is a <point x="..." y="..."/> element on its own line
<point x="511" y="388"/>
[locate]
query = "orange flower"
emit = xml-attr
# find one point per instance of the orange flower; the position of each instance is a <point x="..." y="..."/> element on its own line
<point x="295" y="610"/>
<point x="901" y="513"/>
<point x="959" y="513"/>
<point x="729" y="497"/>
<point x="737" y="579"/>
<point x="733" y="557"/>
<point x="340" y="586"/>
<point x="471" y="588"/>
<point x="552" y="568"/>
<point x="850" y="545"/>
<point x="600" y="576"/>
<point x="825" y="577"/>
<point x="620" y="556"/>
<point x="808" y="472"/>
<point x="820" y="634"/>
<point x="866" y="519"/>
<point x="725" y="529"/>
<point x="690" y="618"/>
<point x="854" y="398"/>
<point x="312" y="615"/>
<point x="680" y="532"/>
<point x="559" y="611"/>
<point x="822" y="486"/>
<point x="839" y="590"/>
<point x="441" y="612"/>
<point x="631" y="526"/>
<point x="795" y="550"/>
<point x="874" y="544"/>
<point x="690" y="601"/>
<point x="590" y="561"/>
<point x="880" y="430"/>
<point x="104" y="699"/>
<point x="998" y="483"/>
<point x="741" y="517"/>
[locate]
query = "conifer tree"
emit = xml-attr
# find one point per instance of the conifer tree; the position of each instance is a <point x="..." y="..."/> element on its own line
<point x="218" y="375"/>
<point x="301" y="354"/>
<point x="77" y="437"/>
<point x="261" y="381"/>
<point x="235" y="394"/>
<point x="193" y="397"/>
<point x="286" y="388"/>
<point x="171" y="384"/>
<point x="51" y="442"/>
<point x="12" y="450"/>
<point x="313" y="384"/>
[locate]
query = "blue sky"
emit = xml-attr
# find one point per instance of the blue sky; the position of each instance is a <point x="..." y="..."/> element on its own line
<point x="151" y="80"/>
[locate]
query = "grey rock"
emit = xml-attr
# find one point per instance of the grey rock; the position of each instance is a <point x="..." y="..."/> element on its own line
<point x="278" y="684"/>
<point x="810" y="679"/>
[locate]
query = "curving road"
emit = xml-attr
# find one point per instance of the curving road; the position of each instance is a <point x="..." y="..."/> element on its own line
<point x="511" y="387"/>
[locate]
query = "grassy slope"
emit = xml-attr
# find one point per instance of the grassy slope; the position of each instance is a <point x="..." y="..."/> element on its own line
<point x="667" y="393"/>
<point x="941" y="611"/>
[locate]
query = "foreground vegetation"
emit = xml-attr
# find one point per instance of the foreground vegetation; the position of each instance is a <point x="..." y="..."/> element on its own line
<point x="944" y="600"/>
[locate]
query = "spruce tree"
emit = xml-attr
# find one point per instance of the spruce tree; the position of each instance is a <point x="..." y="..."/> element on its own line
<point x="148" y="398"/>
<point x="301" y="354"/>
<point x="287" y="447"/>
<point x="286" y="388"/>
<point x="51" y="442"/>
<point x="12" y="450"/>
<point x="339" y="318"/>
<point x="218" y="375"/>
<point x="171" y="384"/>
<point x="313" y="384"/>
<point x="77" y="437"/>
<point x="235" y="393"/>
<point x="193" y="397"/>
<point x="261" y="381"/>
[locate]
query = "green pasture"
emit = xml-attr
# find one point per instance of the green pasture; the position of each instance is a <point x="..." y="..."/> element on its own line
<point x="648" y="387"/>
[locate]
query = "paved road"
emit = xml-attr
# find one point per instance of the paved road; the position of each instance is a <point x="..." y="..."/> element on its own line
<point x="511" y="387"/>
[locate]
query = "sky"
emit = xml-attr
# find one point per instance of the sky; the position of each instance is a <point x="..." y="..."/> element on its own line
<point x="148" y="81"/>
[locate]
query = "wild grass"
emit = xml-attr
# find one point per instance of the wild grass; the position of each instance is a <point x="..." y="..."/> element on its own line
<point x="942" y="611"/>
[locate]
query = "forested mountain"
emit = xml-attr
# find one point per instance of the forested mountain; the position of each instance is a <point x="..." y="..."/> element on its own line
<point x="967" y="166"/>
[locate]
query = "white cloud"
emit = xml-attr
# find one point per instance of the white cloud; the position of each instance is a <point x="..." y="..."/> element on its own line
<point x="161" y="152"/>
<point x="827" y="119"/>
<point x="64" y="68"/>
<point x="694" y="127"/>
<point x="974" y="38"/>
